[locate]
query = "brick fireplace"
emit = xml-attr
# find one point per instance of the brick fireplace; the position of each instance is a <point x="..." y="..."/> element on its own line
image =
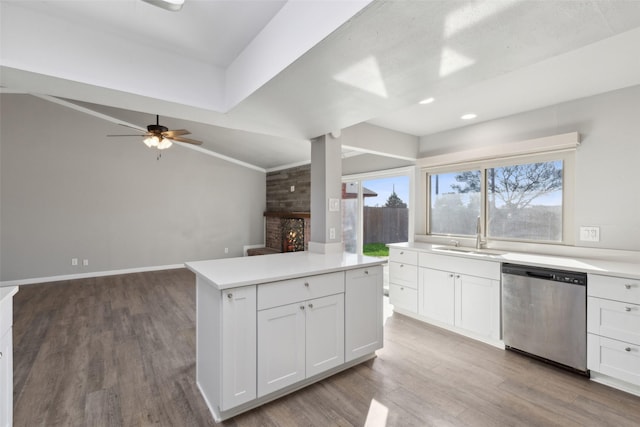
<point x="287" y="231"/>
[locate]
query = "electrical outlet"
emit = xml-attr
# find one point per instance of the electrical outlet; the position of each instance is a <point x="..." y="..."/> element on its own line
<point x="590" y="234"/>
<point x="74" y="261"/>
<point x="85" y="262"/>
<point x="226" y="250"/>
<point x="293" y="188"/>
<point x="332" y="233"/>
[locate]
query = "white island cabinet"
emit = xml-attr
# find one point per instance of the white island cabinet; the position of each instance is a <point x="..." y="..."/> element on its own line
<point x="6" y="355"/>
<point x="269" y="325"/>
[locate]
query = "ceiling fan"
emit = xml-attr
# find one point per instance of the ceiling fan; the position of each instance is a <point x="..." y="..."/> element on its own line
<point x="161" y="137"/>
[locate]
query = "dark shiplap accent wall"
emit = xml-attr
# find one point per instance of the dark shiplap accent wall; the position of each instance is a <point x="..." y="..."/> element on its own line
<point x="279" y="195"/>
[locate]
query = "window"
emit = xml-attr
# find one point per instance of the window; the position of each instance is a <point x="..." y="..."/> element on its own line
<point x="455" y="202"/>
<point x="523" y="201"/>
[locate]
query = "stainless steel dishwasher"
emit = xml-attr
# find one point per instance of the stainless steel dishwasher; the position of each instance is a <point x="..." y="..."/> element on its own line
<point x="544" y="314"/>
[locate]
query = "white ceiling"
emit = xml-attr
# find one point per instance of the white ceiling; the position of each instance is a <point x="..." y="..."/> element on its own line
<point x="256" y="79"/>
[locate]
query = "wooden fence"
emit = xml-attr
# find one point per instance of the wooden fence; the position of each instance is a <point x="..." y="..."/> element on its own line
<point x="385" y="225"/>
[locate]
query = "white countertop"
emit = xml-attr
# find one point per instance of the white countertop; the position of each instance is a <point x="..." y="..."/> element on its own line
<point x="228" y="273"/>
<point x="607" y="267"/>
<point x="7" y="292"/>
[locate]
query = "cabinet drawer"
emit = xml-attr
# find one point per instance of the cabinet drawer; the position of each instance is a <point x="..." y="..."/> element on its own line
<point x="403" y="297"/>
<point x="403" y="256"/>
<point x="472" y="267"/>
<point x="615" y="358"/>
<point x="403" y="274"/>
<point x="615" y="288"/>
<point x="614" y="319"/>
<point x="301" y="289"/>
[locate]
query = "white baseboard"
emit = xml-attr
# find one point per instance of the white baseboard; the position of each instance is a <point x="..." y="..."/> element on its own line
<point x="35" y="280"/>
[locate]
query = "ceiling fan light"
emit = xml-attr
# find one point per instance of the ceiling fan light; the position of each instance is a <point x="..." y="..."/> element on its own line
<point x="164" y="144"/>
<point x="151" y="141"/>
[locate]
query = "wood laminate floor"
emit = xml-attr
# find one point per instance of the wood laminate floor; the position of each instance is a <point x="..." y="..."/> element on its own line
<point x="120" y="351"/>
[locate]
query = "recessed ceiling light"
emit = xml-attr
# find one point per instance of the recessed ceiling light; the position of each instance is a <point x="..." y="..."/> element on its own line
<point x="469" y="116"/>
<point x="172" y="5"/>
<point x="427" y="101"/>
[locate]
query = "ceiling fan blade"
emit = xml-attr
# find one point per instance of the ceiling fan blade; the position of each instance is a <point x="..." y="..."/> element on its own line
<point x="187" y="140"/>
<point x="128" y="135"/>
<point x="176" y="132"/>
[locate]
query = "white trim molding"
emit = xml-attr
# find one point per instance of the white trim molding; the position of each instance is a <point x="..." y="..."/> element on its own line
<point x="35" y="280"/>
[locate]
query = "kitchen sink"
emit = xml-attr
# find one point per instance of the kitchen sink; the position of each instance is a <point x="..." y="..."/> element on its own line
<point x="468" y="251"/>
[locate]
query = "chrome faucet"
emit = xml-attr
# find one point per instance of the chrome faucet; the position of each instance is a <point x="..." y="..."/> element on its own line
<point x="479" y="242"/>
<point x="455" y="243"/>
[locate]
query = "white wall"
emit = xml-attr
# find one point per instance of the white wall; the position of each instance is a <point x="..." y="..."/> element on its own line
<point x="68" y="191"/>
<point x="378" y="140"/>
<point x="607" y="193"/>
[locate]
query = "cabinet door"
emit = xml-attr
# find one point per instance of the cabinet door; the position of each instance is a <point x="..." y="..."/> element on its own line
<point x="613" y="319"/>
<point x="403" y="297"/>
<point x="281" y="347"/>
<point x="238" y="346"/>
<point x="324" y="334"/>
<point x="363" y="324"/>
<point x="436" y="295"/>
<point x="6" y="380"/>
<point x="477" y="305"/>
<point x="615" y="358"/>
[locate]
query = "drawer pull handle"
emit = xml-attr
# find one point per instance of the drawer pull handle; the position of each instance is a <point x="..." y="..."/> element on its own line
<point x="229" y="295"/>
<point x="627" y="309"/>
<point x="302" y="307"/>
<point x="401" y="252"/>
<point x="457" y="276"/>
<point x="306" y="284"/>
<point x="402" y="289"/>
<point x="366" y="272"/>
<point x="627" y="349"/>
<point x="310" y="305"/>
<point x="450" y="275"/>
<point x="0" y="355"/>
<point x="627" y="286"/>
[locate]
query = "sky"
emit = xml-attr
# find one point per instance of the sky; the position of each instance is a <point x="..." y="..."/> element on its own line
<point x="384" y="187"/>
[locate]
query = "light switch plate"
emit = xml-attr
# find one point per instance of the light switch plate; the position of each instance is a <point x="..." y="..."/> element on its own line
<point x="334" y="205"/>
<point x="590" y="234"/>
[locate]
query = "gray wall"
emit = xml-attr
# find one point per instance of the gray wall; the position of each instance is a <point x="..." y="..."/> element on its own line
<point x="68" y="191"/>
<point x="607" y="192"/>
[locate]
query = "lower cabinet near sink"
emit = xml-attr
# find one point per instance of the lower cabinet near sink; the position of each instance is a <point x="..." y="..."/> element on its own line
<point x="452" y="292"/>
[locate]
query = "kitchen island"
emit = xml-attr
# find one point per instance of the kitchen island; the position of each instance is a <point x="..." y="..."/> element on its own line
<point x="269" y="325"/>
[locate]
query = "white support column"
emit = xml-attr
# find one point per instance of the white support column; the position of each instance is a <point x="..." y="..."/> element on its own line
<point x="326" y="195"/>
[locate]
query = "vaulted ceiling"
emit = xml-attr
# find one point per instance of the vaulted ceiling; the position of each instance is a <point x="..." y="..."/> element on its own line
<point x="255" y="80"/>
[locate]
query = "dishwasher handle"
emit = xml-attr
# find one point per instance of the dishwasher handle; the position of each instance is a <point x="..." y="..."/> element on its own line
<point x="541" y="275"/>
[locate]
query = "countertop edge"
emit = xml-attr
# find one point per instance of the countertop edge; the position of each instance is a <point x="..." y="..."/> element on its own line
<point x="612" y="268"/>
<point x="275" y="277"/>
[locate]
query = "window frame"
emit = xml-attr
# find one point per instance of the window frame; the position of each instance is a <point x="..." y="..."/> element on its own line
<point x="408" y="171"/>
<point x="568" y="190"/>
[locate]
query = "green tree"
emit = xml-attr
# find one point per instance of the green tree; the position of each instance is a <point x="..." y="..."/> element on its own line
<point x="517" y="186"/>
<point x="394" y="201"/>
